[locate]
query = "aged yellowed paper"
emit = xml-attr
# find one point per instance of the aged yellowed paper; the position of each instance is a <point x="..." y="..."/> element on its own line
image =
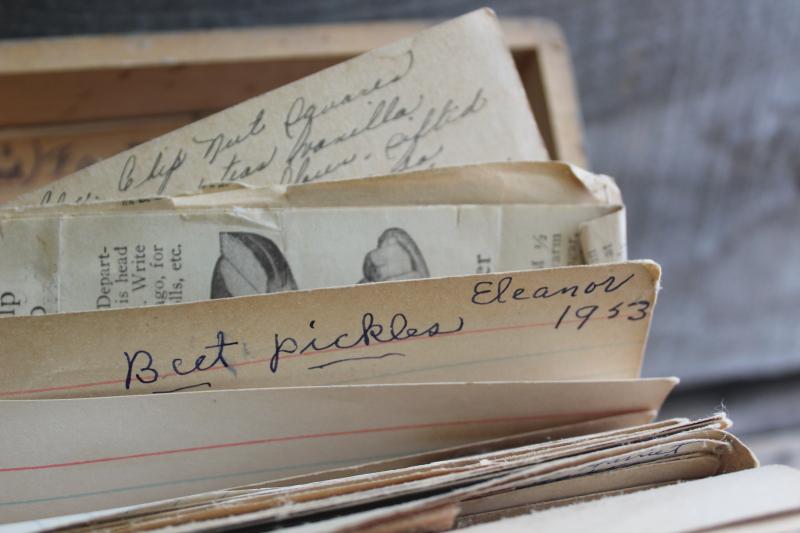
<point x="586" y="322"/>
<point x="494" y="217"/>
<point x="49" y="265"/>
<point x="126" y="450"/>
<point x="713" y="504"/>
<point x="450" y="95"/>
<point x="631" y="458"/>
<point x="518" y="182"/>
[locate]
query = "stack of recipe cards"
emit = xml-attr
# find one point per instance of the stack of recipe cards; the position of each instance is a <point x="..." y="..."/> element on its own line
<point x="357" y="299"/>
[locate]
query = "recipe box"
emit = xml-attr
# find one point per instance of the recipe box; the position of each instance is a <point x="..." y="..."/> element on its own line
<point x="68" y="102"/>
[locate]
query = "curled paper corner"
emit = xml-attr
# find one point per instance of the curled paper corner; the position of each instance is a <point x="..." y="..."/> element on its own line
<point x="602" y="187"/>
<point x="652" y="268"/>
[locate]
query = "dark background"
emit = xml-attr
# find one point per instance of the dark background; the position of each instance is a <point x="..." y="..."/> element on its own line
<point x="693" y="105"/>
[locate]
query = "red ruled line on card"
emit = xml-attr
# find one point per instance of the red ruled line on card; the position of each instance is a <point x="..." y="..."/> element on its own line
<point x="331" y="434"/>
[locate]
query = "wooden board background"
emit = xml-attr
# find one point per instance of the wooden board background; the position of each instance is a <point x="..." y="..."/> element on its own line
<point x="693" y="105"/>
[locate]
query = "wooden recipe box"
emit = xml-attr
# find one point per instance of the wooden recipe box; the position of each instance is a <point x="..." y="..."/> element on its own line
<point x="68" y="102"/>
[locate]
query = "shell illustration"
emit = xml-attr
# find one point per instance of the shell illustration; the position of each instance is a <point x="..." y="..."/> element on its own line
<point x="249" y="264"/>
<point x="396" y="257"/>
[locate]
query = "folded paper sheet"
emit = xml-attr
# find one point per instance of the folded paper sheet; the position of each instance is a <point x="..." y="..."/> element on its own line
<point x="137" y="259"/>
<point x="587" y="322"/>
<point x="519" y="182"/>
<point x="449" y="95"/>
<point x="495" y="217"/>
<point x="131" y="449"/>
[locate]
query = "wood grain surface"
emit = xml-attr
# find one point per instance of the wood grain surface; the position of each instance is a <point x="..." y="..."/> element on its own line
<point x="693" y="105"/>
